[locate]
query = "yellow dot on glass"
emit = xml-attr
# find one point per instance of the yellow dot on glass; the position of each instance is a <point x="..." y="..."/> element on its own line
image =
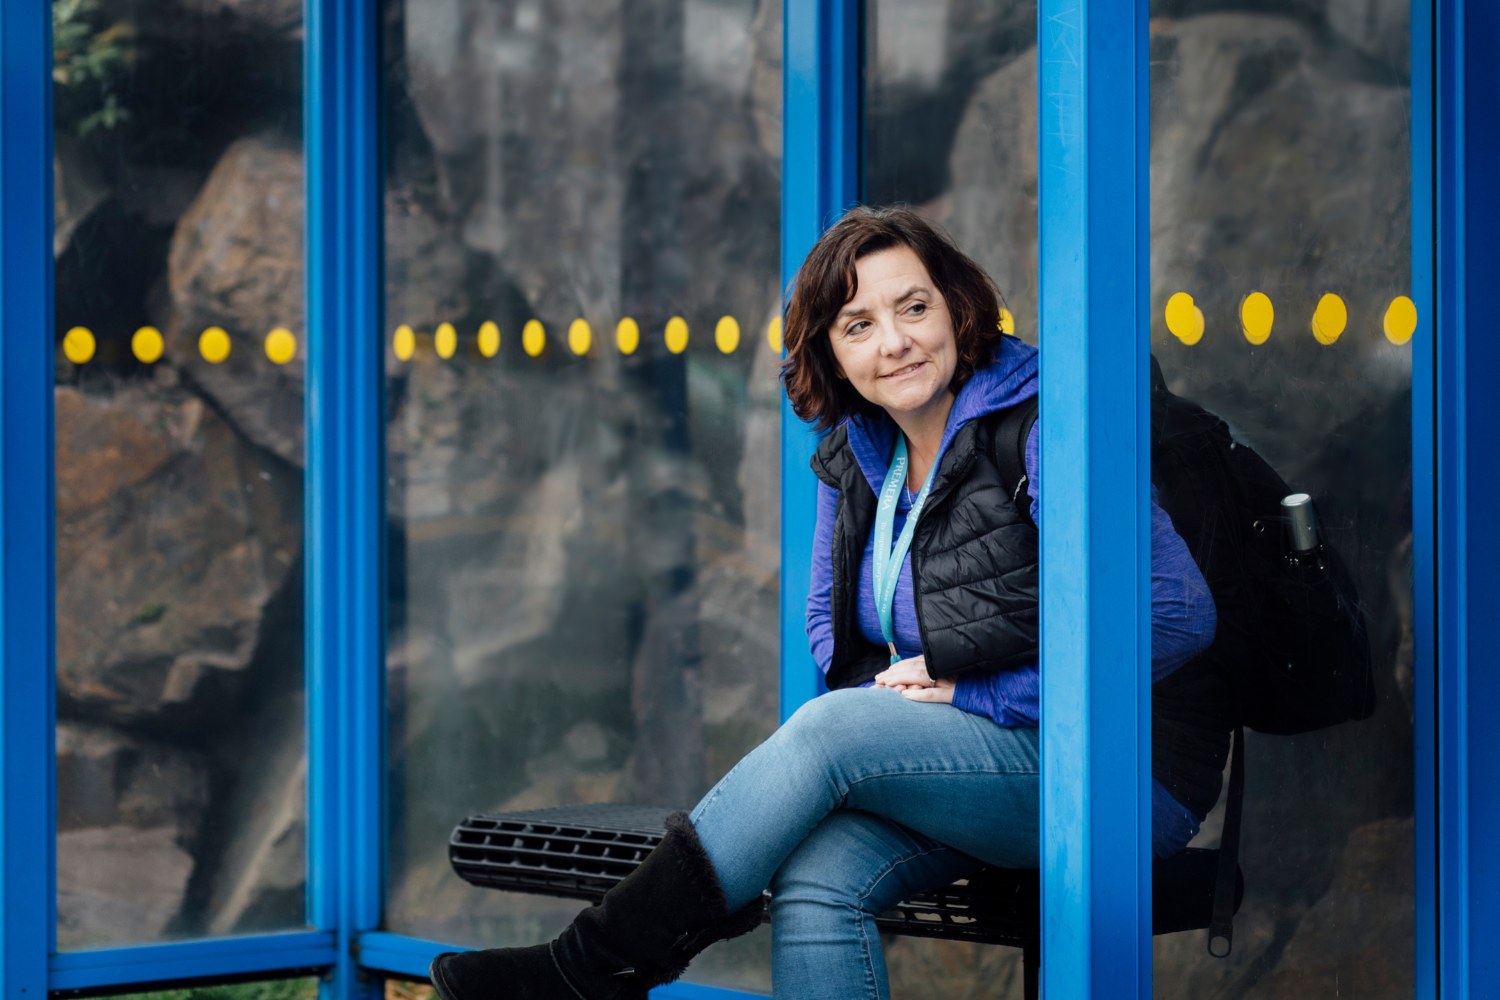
<point x="677" y="334"/>
<point x="773" y="334"/>
<point x="1256" y="317"/>
<point x="1007" y="322"/>
<point x="533" y="337"/>
<point x="445" y="340"/>
<point x="580" y="337"/>
<point x="1329" y="319"/>
<point x="147" y="344"/>
<point x="1181" y="315"/>
<point x="489" y="339"/>
<point x="1195" y="332"/>
<point x="1400" y="320"/>
<point x="404" y="342"/>
<point x="727" y="334"/>
<point x="627" y="335"/>
<point x="281" y="346"/>
<point x="213" y="344"/>
<point x="78" y="345"/>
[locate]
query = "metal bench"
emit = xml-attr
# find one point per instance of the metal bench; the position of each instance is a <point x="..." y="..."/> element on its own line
<point x="579" y="852"/>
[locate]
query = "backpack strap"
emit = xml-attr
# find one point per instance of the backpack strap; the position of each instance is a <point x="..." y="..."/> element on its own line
<point x="1011" y="432"/>
<point x="1221" y="926"/>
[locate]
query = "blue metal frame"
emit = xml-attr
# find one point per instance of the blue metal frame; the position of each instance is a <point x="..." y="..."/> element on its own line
<point x="819" y="180"/>
<point x="1095" y="550"/>
<point x="1423" y="474"/>
<point x="1097" y="891"/>
<point x="1467" y="35"/>
<point x="345" y="486"/>
<point x="27" y="683"/>
<point x="409" y="957"/>
<point x="163" y="963"/>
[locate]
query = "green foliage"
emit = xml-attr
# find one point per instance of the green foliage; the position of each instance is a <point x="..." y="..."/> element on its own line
<point x="285" y="989"/>
<point x="149" y="614"/>
<point x="88" y="63"/>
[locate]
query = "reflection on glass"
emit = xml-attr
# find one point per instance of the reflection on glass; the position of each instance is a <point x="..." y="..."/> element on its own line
<point x="949" y="127"/>
<point x="1281" y="275"/>
<point x="582" y="269"/>
<point x="949" y="105"/>
<point x="178" y="249"/>
<point x="1281" y="266"/>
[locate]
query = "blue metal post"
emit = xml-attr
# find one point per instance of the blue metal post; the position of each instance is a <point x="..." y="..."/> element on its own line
<point x="345" y="634"/>
<point x="819" y="180"/>
<point x="1467" y="481"/>
<point x="1096" y="643"/>
<point x="27" y="684"/>
<point x="1423" y="475"/>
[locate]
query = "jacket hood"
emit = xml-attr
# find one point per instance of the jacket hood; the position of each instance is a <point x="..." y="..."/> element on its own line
<point x="1009" y="378"/>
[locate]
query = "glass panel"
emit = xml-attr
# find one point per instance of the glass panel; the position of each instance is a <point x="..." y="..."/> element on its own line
<point x="1280" y="165"/>
<point x="582" y="253"/>
<point x="949" y="127"/>
<point x="179" y="470"/>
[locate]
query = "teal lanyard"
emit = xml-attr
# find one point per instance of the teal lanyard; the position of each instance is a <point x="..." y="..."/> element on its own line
<point x="888" y="558"/>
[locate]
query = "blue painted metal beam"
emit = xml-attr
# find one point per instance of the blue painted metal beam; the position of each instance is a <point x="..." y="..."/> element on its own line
<point x="1468" y="480"/>
<point x="27" y="680"/>
<point x="344" y="507"/>
<point x="409" y="957"/>
<point x="1096" y="644"/>
<point x="819" y="180"/>
<point x="1423" y="475"/>
<point x="163" y="963"/>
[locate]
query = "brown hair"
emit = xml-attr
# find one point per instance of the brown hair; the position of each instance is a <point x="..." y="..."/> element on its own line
<point x="827" y="280"/>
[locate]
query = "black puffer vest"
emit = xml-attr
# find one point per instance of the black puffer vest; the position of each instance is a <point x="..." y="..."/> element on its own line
<point x="974" y="562"/>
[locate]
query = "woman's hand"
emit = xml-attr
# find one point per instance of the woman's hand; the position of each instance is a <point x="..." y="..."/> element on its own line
<point x="910" y="677"/>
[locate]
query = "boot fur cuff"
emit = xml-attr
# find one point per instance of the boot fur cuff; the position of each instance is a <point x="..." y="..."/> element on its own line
<point x="699" y="870"/>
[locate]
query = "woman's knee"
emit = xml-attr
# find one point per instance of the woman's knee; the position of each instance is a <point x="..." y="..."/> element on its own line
<point x="842" y="864"/>
<point x="814" y="885"/>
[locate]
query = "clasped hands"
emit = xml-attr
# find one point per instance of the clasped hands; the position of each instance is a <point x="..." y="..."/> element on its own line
<point x="910" y="678"/>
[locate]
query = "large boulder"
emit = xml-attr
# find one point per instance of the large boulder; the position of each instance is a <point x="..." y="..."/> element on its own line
<point x="172" y="538"/>
<point x="1273" y="168"/>
<point x="237" y="262"/>
<point x="129" y="817"/>
<point x="119" y="884"/>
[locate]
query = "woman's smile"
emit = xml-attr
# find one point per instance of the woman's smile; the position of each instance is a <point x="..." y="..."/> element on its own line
<point x="900" y="372"/>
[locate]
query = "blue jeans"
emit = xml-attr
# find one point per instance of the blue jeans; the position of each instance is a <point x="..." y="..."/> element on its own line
<point x="861" y="799"/>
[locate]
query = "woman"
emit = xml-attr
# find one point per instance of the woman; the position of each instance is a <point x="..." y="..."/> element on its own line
<point x="922" y="763"/>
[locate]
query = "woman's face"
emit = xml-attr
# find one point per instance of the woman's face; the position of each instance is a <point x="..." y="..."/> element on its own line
<point x="894" y="340"/>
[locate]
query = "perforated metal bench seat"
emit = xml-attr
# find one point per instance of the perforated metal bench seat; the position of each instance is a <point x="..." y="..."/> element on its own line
<point x="580" y="851"/>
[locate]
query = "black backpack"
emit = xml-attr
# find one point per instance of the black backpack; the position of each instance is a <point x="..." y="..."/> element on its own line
<point x="1292" y="643"/>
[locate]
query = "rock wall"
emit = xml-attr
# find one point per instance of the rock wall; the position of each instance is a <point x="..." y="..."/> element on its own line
<point x="584" y="551"/>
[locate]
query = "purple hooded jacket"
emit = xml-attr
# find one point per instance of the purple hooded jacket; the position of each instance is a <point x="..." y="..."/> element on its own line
<point x="1183" y="618"/>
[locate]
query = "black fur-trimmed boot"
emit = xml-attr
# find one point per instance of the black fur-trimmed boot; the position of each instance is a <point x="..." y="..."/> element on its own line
<point x="641" y="934"/>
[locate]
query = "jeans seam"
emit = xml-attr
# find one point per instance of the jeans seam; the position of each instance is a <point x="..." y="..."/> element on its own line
<point x="864" y="895"/>
<point x="962" y="773"/>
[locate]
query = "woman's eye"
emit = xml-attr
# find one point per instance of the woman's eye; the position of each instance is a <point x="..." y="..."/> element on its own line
<point x="855" y="329"/>
<point x="916" y="309"/>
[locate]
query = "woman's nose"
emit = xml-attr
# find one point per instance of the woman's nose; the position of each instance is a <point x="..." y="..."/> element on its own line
<point x="892" y="339"/>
